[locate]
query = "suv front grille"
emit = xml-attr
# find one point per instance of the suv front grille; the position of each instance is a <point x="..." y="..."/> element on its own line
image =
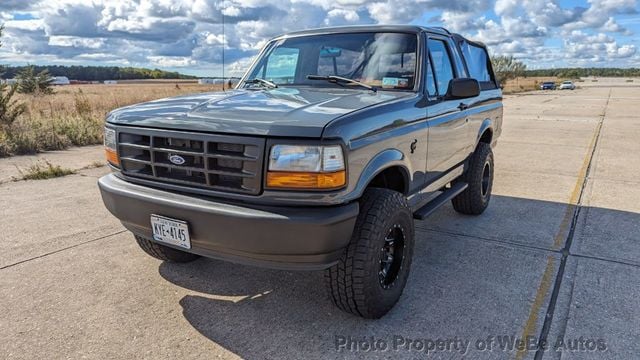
<point x="215" y="162"/>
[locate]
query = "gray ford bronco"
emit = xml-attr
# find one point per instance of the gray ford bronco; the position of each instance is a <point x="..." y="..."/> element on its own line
<point x="329" y="147"/>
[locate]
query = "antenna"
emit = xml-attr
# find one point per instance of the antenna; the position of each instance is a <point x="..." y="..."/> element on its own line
<point x="223" y="41"/>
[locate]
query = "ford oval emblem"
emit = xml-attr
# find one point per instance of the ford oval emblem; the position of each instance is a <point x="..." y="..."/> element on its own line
<point x="176" y="159"/>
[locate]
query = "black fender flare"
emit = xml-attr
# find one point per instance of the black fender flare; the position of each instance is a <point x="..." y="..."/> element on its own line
<point x="383" y="160"/>
<point x="487" y="125"/>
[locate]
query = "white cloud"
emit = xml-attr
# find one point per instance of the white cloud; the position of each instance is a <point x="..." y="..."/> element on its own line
<point x="463" y="22"/>
<point x="214" y="39"/>
<point x="74" y="41"/>
<point x="506" y="7"/>
<point x="341" y="17"/>
<point x="595" y="48"/>
<point x="600" y="14"/>
<point x="100" y="57"/>
<point x="523" y="27"/>
<point x="9" y="5"/>
<point x="25" y="25"/>
<point x="171" y="61"/>
<point x="188" y="33"/>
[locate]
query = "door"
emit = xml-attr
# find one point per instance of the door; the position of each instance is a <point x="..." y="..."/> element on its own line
<point x="448" y="143"/>
<point x="486" y="106"/>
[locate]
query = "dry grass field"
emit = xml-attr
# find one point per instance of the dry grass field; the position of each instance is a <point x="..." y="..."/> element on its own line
<point x="74" y="115"/>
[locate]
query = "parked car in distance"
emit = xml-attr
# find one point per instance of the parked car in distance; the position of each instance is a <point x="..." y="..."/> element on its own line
<point x="567" y="85"/>
<point x="548" y="85"/>
<point x="330" y="146"/>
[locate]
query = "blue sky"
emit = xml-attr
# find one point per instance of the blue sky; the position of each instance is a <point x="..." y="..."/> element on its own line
<point x="186" y="35"/>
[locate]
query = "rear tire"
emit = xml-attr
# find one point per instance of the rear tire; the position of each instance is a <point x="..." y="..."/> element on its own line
<point x="475" y="199"/>
<point x="164" y="253"/>
<point x="373" y="270"/>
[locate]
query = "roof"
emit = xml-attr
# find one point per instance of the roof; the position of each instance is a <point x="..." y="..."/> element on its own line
<point x="380" y="28"/>
<point x="369" y="28"/>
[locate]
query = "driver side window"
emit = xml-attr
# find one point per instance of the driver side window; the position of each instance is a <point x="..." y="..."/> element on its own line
<point x="441" y="63"/>
<point x="431" y="80"/>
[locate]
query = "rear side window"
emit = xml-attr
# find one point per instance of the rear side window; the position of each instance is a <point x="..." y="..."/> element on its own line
<point x="478" y="65"/>
<point x="441" y="62"/>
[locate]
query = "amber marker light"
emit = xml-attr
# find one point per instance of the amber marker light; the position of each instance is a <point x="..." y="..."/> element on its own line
<point x="112" y="157"/>
<point x="110" y="146"/>
<point x="300" y="180"/>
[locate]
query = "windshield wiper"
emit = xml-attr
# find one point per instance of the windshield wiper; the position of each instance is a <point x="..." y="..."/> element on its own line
<point x="337" y="79"/>
<point x="261" y="82"/>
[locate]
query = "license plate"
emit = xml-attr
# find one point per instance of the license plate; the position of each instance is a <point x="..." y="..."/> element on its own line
<point x="171" y="231"/>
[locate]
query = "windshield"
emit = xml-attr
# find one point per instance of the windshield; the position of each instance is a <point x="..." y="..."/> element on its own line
<point x="383" y="60"/>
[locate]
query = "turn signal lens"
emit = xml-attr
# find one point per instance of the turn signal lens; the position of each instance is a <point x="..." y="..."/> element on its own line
<point x="112" y="156"/>
<point x="305" y="180"/>
<point x="110" y="146"/>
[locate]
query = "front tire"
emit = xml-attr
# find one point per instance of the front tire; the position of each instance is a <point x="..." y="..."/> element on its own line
<point x="373" y="270"/>
<point x="164" y="253"/>
<point x="475" y="199"/>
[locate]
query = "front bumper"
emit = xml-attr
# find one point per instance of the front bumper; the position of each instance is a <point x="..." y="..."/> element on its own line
<point x="305" y="238"/>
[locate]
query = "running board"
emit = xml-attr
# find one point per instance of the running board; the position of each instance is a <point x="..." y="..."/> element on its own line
<point x="434" y="204"/>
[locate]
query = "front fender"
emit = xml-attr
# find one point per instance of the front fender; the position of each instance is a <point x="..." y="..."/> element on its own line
<point x="385" y="159"/>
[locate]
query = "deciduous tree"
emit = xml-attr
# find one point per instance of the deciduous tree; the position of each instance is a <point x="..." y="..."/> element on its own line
<point x="507" y="67"/>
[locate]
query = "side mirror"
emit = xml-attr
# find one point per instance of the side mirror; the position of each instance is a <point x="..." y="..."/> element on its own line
<point x="463" y="88"/>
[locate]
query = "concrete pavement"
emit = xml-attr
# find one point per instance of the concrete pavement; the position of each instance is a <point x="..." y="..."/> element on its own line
<point x="554" y="256"/>
<point x="76" y="158"/>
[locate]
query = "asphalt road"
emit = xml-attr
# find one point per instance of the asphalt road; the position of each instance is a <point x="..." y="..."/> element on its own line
<point x="556" y="256"/>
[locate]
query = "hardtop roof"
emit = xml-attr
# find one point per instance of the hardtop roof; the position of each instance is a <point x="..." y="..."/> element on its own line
<point x="367" y="28"/>
<point x="378" y="28"/>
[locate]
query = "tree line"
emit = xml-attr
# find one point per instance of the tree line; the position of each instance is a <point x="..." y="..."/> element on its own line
<point x="507" y="67"/>
<point x="573" y="73"/>
<point x="97" y="73"/>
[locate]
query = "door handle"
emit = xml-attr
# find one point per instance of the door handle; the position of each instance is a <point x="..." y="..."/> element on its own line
<point x="463" y="106"/>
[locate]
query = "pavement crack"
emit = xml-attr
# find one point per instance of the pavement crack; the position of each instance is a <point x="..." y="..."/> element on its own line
<point x="563" y="326"/>
<point x="614" y="261"/>
<point x="493" y="240"/>
<point x="61" y="250"/>
<point x="548" y="320"/>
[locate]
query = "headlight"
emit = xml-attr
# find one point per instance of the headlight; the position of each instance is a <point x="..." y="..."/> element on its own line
<point x="306" y="167"/>
<point x="110" y="146"/>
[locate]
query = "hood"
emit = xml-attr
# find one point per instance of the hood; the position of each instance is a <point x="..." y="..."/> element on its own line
<point x="287" y="111"/>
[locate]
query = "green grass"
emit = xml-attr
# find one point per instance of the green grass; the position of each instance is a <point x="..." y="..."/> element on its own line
<point x="47" y="171"/>
<point x="28" y="136"/>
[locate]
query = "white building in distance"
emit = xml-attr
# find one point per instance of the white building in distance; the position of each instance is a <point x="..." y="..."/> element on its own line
<point x="210" y="81"/>
<point x="60" y="80"/>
